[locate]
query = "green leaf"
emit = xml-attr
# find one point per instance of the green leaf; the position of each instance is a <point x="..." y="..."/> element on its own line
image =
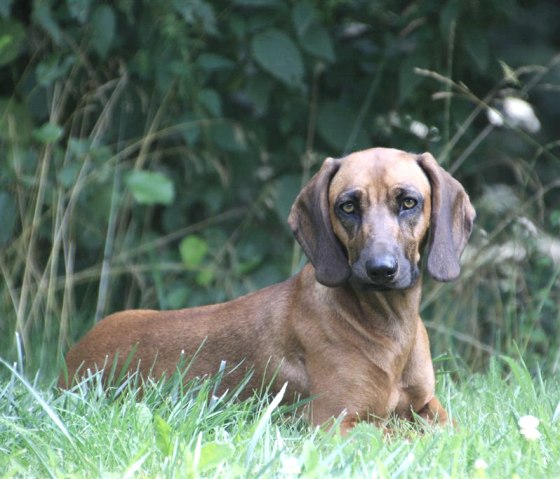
<point x="48" y="133"/>
<point x="12" y="38"/>
<point x="211" y="62"/>
<point x="190" y="129"/>
<point x="213" y="454"/>
<point x="53" y="67"/>
<point x="277" y="54"/>
<point x="79" y="147"/>
<point x="197" y="12"/>
<point x="317" y="41"/>
<point x="312" y="36"/>
<point x="555" y="218"/>
<point x="205" y="277"/>
<point x="42" y="15"/>
<point x="193" y="250"/>
<point x="103" y="26"/>
<point x="211" y="101"/>
<point x="176" y="296"/>
<point x="250" y="254"/>
<point x="304" y="16"/>
<point x="149" y="188"/>
<point x="101" y="154"/>
<point x="163" y="436"/>
<point x="79" y="9"/>
<point x="67" y="176"/>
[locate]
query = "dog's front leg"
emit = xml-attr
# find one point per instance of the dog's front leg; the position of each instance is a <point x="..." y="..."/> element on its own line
<point x="434" y="413"/>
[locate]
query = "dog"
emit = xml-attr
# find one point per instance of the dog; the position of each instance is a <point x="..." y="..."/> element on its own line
<point x="346" y="330"/>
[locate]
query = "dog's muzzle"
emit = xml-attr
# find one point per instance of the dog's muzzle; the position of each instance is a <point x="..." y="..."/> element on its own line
<point x="382" y="269"/>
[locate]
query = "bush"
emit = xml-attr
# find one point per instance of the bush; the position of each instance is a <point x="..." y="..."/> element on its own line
<point x="151" y="150"/>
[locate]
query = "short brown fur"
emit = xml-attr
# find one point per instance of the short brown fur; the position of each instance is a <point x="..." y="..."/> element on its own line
<point x="346" y="329"/>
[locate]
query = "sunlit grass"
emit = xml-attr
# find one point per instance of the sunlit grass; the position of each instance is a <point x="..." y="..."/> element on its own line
<point x="170" y="432"/>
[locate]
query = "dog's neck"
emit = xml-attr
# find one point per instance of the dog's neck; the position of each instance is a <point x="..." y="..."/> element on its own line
<point x="381" y="312"/>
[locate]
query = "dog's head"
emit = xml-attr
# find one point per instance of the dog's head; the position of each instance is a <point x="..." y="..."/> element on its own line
<point x="367" y="216"/>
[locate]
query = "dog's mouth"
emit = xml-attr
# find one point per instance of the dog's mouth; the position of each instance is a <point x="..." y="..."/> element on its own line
<point x="379" y="287"/>
<point x="371" y="288"/>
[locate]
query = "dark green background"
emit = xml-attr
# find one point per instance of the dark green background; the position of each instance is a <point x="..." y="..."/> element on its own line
<point x="150" y="152"/>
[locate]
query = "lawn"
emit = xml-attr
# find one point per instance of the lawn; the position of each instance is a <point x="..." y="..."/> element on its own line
<point x="169" y="432"/>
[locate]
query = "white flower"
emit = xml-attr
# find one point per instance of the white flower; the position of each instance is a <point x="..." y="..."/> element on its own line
<point x="495" y="117"/>
<point x="515" y="113"/>
<point x="480" y="465"/>
<point x="419" y="129"/>
<point x="521" y="114"/>
<point x="528" y="422"/>
<point x="531" y="434"/>
<point x="528" y="427"/>
<point x="290" y="465"/>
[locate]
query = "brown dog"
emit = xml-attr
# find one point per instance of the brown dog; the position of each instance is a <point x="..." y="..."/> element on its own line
<point x="346" y="329"/>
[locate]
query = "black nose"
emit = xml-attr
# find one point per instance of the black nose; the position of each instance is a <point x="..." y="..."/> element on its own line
<point x="382" y="269"/>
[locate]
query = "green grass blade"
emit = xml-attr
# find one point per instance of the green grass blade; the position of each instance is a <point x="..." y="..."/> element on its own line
<point x="261" y="426"/>
<point x="46" y="407"/>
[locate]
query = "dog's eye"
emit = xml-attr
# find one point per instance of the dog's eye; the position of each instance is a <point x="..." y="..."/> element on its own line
<point x="348" y="207"/>
<point x="408" y="203"/>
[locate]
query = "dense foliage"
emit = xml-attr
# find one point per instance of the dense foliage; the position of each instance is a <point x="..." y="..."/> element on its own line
<point x="150" y="152"/>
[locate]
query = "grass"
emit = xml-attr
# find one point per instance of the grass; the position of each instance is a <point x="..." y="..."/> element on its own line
<point x="167" y="432"/>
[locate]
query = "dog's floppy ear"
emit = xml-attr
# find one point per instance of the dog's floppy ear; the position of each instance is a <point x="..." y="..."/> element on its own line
<point x="451" y="221"/>
<point x="311" y="224"/>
